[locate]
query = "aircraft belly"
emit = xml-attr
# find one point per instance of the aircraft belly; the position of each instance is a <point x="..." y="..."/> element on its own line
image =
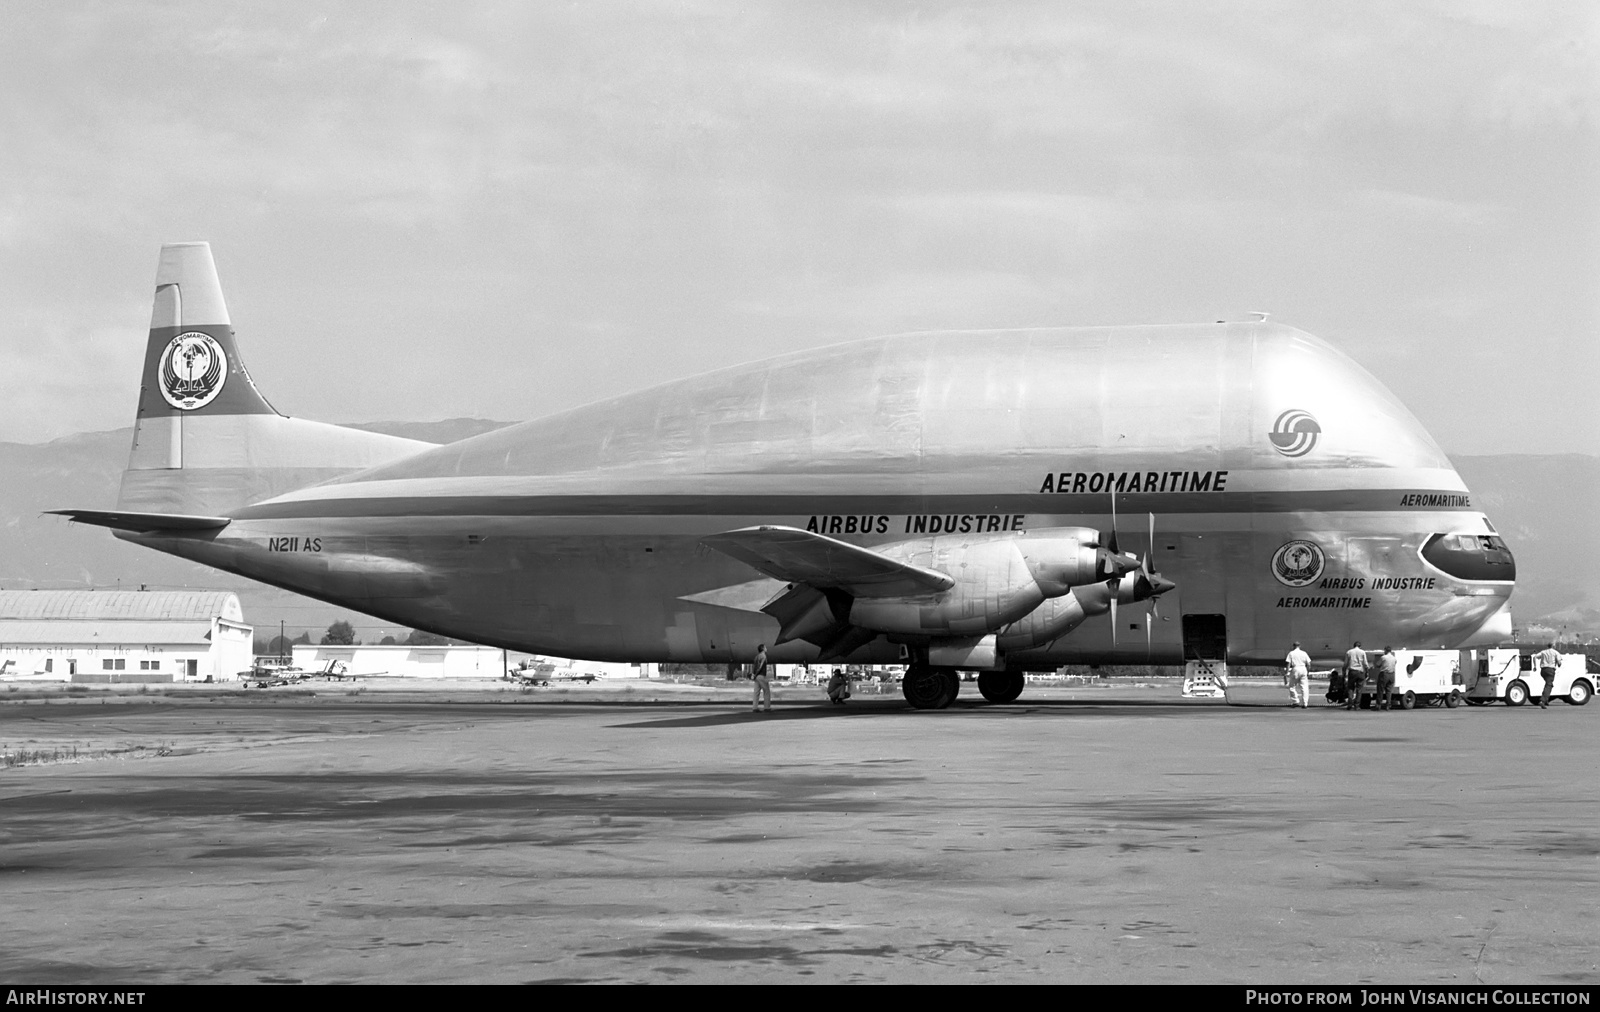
<point x="555" y="586"/>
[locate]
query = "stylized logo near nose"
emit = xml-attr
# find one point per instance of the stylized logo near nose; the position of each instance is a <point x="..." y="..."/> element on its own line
<point x="1295" y="433"/>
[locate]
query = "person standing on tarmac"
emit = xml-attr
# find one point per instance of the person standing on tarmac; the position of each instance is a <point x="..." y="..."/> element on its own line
<point x="1297" y="675"/>
<point x="1548" y="660"/>
<point x="1383" y="684"/>
<point x="763" y="687"/>
<point x="1355" y="675"/>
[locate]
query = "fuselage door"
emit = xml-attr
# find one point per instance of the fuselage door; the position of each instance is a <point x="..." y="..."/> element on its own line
<point x="1205" y="637"/>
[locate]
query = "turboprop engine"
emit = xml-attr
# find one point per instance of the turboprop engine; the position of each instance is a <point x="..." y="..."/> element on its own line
<point x="996" y="582"/>
<point x="1058" y="616"/>
<point x="840" y="595"/>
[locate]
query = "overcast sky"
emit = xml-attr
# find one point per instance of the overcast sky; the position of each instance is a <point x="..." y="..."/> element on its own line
<point x="454" y="209"/>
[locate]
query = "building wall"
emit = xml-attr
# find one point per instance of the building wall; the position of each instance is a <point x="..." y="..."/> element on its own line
<point x="447" y="662"/>
<point x="122" y="636"/>
<point x="222" y="659"/>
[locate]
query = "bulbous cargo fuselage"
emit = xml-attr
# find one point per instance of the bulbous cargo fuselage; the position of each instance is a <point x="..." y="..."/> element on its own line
<point x="1294" y="498"/>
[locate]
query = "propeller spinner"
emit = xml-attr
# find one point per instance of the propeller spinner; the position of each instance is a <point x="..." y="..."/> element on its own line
<point x="1140" y="583"/>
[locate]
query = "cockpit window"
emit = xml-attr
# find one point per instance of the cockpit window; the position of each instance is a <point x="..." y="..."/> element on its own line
<point x="1471" y="556"/>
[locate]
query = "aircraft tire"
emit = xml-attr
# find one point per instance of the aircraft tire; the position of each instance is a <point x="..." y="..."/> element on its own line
<point x="1579" y="693"/>
<point x="952" y="681"/>
<point x="928" y="688"/>
<point x="1517" y="693"/>
<point x="1001" y="686"/>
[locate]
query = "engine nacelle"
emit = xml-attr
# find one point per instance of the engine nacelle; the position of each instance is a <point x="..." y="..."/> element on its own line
<point x="997" y="581"/>
<point x="994" y="586"/>
<point x="1056" y="617"/>
<point x="1063" y="559"/>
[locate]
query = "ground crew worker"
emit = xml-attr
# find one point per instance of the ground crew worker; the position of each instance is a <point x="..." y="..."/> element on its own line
<point x="1548" y="660"/>
<point x="1383" y="684"/>
<point x="838" y="687"/>
<point x="1355" y="675"/>
<point x="1297" y="676"/>
<point x="763" y="689"/>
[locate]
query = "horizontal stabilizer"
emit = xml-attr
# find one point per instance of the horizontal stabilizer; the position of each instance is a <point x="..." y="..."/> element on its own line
<point x="796" y="556"/>
<point x="141" y="522"/>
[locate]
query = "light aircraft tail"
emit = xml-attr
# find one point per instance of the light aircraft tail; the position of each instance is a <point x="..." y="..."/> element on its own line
<point x="205" y="441"/>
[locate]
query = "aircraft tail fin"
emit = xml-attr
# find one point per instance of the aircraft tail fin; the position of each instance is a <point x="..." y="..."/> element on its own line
<point x="205" y="441"/>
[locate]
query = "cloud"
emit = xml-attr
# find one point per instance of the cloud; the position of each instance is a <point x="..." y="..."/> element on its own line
<point x="593" y="196"/>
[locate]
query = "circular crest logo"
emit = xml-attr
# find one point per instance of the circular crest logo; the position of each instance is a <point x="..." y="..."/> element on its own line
<point x="1295" y="433"/>
<point x="192" y="371"/>
<point x="1298" y="563"/>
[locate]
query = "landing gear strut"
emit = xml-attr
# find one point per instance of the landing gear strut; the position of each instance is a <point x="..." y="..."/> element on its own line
<point x="1000" y="686"/>
<point x="930" y="688"/>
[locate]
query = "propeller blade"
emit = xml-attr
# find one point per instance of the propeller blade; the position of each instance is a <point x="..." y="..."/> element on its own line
<point x="1113" y="618"/>
<point x="1111" y="542"/>
<point x="1150" y="553"/>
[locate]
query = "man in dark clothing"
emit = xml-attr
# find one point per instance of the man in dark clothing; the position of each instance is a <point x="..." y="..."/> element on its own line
<point x="1383" y="685"/>
<point x="1548" y="659"/>
<point x="1355" y="675"/>
<point x="763" y="689"/>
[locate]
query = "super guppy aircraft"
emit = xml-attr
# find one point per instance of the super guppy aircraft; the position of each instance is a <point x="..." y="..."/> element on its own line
<point x="976" y="500"/>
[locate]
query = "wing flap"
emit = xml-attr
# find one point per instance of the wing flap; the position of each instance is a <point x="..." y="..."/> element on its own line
<point x="795" y="556"/>
<point x="142" y="522"/>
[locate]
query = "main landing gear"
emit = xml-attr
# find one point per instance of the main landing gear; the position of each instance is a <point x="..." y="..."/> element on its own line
<point x="930" y="688"/>
<point x="1000" y="686"/>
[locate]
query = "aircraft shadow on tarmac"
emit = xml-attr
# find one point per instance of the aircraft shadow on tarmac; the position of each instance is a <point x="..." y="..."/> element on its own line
<point x="889" y="707"/>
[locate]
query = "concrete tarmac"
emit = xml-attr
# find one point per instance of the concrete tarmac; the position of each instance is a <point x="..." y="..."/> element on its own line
<point x="1113" y="836"/>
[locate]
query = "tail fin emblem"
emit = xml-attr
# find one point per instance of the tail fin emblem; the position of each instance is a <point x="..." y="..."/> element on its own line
<point x="193" y="369"/>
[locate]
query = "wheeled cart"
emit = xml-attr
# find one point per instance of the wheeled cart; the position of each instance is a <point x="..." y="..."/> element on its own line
<point x="1510" y="675"/>
<point x="1421" y="678"/>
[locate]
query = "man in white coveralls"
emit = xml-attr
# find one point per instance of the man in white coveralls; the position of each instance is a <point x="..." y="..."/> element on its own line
<point x="1297" y="675"/>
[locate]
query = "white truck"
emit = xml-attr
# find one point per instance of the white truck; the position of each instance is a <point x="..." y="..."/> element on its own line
<point x="1509" y="674"/>
<point x="1421" y="678"/>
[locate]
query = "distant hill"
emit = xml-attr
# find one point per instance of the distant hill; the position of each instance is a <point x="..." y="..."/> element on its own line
<point x="451" y="430"/>
<point x="1543" y="505"/>
<point x="84" y="470"/>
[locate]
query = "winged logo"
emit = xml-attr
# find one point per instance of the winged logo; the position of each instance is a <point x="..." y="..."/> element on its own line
<point x="1298" y="563"/>
<point x="192" y="371"/>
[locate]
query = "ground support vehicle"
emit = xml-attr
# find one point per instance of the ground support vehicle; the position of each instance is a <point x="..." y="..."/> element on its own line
<point x="1421" y="678"/>
<point x="1511" y="675"/>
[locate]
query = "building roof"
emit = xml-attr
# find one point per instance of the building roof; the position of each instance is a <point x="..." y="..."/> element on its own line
<point x="120" y="605"/>
<point x="76" y="632"/>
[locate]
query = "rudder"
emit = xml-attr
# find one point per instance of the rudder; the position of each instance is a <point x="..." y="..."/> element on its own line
<point x="205" y="441"/>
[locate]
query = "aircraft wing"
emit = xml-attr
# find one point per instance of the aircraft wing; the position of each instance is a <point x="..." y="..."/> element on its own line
<point x="141" y="522"/>
<point x="795" y="556"/>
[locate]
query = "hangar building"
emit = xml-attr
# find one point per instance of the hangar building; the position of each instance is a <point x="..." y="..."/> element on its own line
<point x="123" y="636"/>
